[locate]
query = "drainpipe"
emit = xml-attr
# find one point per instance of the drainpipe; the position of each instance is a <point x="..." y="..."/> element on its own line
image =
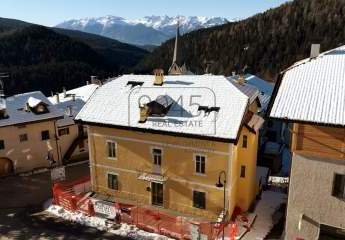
<point x="58" y="150"/>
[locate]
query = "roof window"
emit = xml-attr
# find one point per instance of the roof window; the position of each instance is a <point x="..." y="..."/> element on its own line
<point x="133" y="84"/>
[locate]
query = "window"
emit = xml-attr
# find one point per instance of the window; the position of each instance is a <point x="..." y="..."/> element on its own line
<point x="45" y="135"/>
<point x="245" y="141"/>
<point x="200" y="164"/>
<point x="23" y="137"/>
<point x="243" y="171"/>
<point x="199" y="199"/>
<point x="339" y="186"/>
<point x="113" y="182"/>
<point x="157" y="156"/>
<point x="111" y="149"/>
<point x="2" y="144"/>
<point x="63" y="131"/>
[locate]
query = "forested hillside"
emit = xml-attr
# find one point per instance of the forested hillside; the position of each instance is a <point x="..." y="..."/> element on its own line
<point x="40" y="58"/>
<point x="267" y="42"/>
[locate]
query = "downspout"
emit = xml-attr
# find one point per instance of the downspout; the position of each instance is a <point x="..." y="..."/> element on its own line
<point x="57" y="144"/>
<point x="229" y="173"/>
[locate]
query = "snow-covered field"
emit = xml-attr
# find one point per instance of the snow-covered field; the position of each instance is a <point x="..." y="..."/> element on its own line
<point x="124" y="230"/>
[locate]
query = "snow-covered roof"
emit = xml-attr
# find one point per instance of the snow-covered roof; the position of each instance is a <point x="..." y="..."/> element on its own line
<point x="15" y="109"/>
<point x="249" y="90"/>
<point x="313" y="90"/>
<point x="116" y="103"/>
<point x="72" y="102"/>
<point x="255" y="87"/>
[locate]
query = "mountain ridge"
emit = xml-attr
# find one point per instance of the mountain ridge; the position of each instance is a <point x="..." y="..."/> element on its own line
<point x="267" y="43"/>
<point x="46" y="59"/>
<point x="149" y="30"/>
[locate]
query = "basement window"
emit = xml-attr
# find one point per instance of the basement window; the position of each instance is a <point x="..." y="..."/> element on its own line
<point x="339" y="186"/>
<point x="2" y="144"/>
<point x="133" y="84"/>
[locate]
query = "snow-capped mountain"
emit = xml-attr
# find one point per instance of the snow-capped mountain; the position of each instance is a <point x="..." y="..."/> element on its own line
<point x="150" y="30"/>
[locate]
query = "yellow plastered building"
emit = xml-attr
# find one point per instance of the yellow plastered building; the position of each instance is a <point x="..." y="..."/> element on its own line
<point x="174" y="158"/>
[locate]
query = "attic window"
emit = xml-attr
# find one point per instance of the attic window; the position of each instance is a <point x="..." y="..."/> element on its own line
<point x="160" y="106"/>
<point x="203" y="108"/>
<point x="3" y="114"/>
<point x="133" y="84"/>
<point x="208" y="110"/>
<point x="36" y="106"/>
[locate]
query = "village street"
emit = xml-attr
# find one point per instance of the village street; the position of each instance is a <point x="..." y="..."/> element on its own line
<point x="21" y="206"/>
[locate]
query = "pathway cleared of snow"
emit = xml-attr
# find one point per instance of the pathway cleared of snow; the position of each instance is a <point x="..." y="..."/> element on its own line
<point x="265" y="209"/>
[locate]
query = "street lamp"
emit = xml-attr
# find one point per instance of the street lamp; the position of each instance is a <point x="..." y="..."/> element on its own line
<point x="220" y="184"/>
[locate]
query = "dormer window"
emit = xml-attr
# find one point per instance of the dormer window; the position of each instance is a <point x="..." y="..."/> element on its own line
<point x="3" y="114"/>
<point x="207" y="110"/>
<point x="133" y="84"/>
<point x="36" y="106"/>
<point x="160" y="106"/>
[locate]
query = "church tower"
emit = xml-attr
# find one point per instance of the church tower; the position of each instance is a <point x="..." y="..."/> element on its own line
<point x="175" y="69"/>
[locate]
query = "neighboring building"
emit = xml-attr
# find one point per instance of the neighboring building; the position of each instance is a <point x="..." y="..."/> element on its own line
<point x="311" y="95"/>
<point x="163" y="141"/>
<point x="273" y="133"/>
<point x="28" y="133"/>
<point x="73" y="145"/>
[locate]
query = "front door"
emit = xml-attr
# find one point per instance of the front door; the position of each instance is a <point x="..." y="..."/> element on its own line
<point x="157" y="194"/>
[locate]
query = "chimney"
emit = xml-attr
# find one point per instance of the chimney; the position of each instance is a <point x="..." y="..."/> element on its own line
<point x="315" y="50"/>
<point x="233" y="73"/>
<point x="51" y="93"/>
<point x="159" y="77"/>
<point x="64" y="92"/>
<point x="57" y="98"/>
<point x="241" y="79"/>
<point x="144" y="113"/>
<point x="87" y="82"/>
<point x="73" y="97"/>
<point x="70" y="111"/>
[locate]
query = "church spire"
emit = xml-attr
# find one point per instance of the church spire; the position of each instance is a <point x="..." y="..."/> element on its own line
<point x="176" y="41"/>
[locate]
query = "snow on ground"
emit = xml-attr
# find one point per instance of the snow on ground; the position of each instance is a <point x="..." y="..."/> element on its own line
<point x="125" y="230"/>
<point x="265" y="209"/>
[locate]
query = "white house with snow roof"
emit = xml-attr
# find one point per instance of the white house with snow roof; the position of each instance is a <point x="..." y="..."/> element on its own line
<point x="165" y="141"/>
<point x="72" y="136"/>
<point x="28" y="133"/>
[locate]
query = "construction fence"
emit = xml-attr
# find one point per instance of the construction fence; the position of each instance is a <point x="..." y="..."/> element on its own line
<point x="75" y="197"/>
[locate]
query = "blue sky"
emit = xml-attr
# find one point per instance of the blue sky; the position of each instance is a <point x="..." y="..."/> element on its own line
<point x="49" y="12"/>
